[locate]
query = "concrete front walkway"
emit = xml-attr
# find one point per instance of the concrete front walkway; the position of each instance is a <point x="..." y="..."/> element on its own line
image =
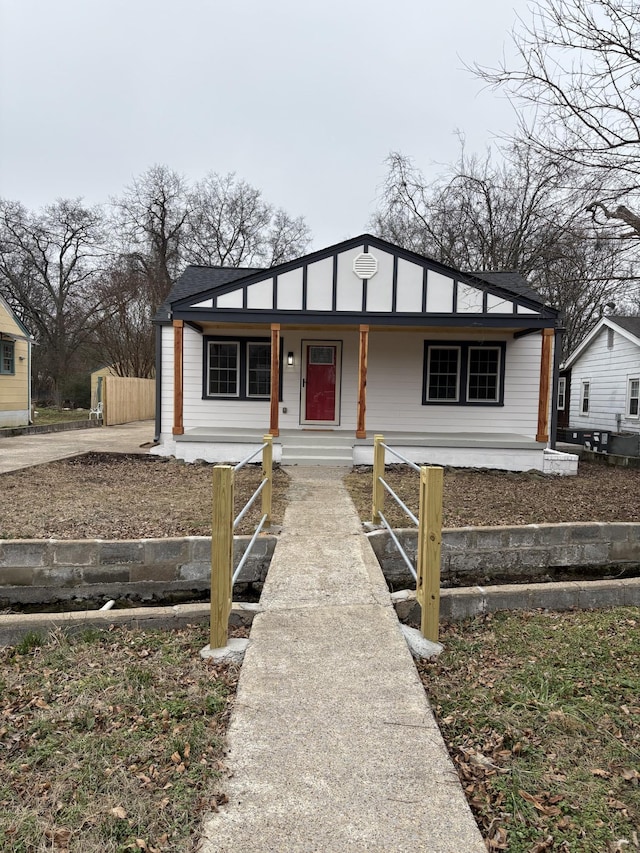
<point x="22" y="451"/>
<point x="332" y="744"/>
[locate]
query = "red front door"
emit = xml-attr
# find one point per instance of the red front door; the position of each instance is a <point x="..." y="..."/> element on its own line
<point x="320" y="383"/>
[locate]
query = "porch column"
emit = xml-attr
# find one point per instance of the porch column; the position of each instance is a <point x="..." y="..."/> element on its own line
<point x="361" y="428"/>
<point x="178" y="334"/>
<point x="275" y="379"/>
<point x="543" y="400"/>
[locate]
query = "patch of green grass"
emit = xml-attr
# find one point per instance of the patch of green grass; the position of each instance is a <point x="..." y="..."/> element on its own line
<point x="107" y="737"/>
<point x="55" y="416"/>
<point x="541" y="714"/>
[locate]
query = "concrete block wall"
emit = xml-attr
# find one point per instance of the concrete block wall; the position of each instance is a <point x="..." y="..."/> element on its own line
<point x="534" y="552"/>
<point x="41" y="570"/>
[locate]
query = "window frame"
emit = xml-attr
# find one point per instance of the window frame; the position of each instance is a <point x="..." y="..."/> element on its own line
<point x="631" y="397"/>
<point x="11" y="346"/>
<point x="562" y="393"/>
<point x="242" y="370"/>
<point x="464" y="347"/>
<point x="585" y="383"/>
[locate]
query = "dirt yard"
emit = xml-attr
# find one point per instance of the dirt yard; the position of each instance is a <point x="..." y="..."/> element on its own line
<point x="482" y="498"/>
<point x="108" y="496"/>
<point x="112" y="496"/>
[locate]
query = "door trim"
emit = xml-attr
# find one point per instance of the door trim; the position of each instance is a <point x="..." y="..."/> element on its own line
<point x="305" y="344"/>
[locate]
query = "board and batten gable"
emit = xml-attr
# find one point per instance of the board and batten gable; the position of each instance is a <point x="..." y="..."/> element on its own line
<point x="608" y="363"/>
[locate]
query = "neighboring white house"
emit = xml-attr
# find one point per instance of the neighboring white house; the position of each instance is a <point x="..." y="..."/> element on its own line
<point x="605" y="377"/>
<point x="360" y="338"/>
<point x="15" y="369"/>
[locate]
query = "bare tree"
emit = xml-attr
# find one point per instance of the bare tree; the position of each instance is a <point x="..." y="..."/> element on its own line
<point x="49" y="265"/>
<point x="149" y="221"/>
<point x="230" y="224"/>
<point x="125" y="339"/>
<point x="577" y="67"/>
<point x="509" y="215"/>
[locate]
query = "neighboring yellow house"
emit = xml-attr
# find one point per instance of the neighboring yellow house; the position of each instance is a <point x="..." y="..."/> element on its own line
<point x="97" y="377"/>
<point x="15" y="369"/>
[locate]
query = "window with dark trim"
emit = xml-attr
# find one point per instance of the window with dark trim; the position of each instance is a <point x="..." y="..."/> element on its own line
<point x="237" y="368"/>
<point x="465" y="374"/>
<point x="7" y="357"/>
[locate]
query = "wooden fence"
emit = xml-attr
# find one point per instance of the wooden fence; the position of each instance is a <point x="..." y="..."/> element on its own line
<point x="127" y="399"/>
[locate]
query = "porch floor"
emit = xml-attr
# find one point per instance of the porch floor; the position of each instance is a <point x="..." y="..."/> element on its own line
<point x="346" y="438"/>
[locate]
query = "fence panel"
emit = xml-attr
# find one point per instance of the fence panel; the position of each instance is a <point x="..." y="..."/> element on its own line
<point x="127" y="399"/>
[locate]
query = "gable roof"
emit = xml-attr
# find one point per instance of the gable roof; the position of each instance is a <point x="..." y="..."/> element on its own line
<point x="628" y="327"/>
<point x="404" y="286"/>
<point x="14" y="317"/>
<point x="512" y="281"/>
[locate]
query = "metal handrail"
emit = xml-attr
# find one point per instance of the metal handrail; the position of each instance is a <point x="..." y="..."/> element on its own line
<point x="399" y="502"/>
<point x="248" y="458"/>
<point x="403" y="553"/>
<point x="249" y="503"/>
<point x="400" y="456"/>
<point x="248" y="549"/>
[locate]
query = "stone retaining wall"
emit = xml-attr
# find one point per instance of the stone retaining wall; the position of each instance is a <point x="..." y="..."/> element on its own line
<point x="36" y="429"/>
<point x="43" y="570"/>
<point x="535" y="552"/>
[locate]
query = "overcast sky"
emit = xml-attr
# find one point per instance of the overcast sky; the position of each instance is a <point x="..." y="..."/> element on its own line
<point x="302" y="98"/>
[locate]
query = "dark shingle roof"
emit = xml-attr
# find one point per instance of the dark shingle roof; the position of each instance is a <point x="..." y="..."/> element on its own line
<point x="198" y="279"/>
<point x="511" y="281"/>
<point x="629" y="324"/>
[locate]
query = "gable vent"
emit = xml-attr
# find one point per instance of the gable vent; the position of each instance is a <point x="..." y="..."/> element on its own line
<point x="365" y="265"/>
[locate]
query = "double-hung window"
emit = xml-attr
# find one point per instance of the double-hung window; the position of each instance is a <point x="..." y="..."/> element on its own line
<point x="562" y="393"/>
<point x="585" y="396"/>
<point x="466" y="374"/>
<point x="237" y="368"/>
<point x="633" y="401"/>
<point x="7" y="357"/>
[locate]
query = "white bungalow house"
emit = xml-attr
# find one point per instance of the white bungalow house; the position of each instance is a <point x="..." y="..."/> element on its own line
<point x="605" y="378"/>
<point x="15" y="369"/>
<point x="360" y="338"/>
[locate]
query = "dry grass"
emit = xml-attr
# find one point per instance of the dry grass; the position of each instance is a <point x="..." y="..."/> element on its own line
<point x="111" y="496"/>
<point x="110" y="741"/>
<point x="483" y="498"/>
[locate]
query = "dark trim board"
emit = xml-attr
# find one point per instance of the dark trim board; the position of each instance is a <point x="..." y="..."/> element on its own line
<point x="527" y="322"/>
<point x="368" y="241"/>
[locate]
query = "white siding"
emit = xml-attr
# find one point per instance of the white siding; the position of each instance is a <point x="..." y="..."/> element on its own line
<point x="230" y="300"/>
<point x="349" y="286"/>
<point x="260" y="295"/>
<point x="469" y="299"/>
<point x="409" y="288"/>
<point x="380" y="287"/>
<point x="394" y="388"/>
<point x="439" y="293"/>
<point x="320" y="285"/>
<point x="290" y="291"/>
<point x="608" y="370"/>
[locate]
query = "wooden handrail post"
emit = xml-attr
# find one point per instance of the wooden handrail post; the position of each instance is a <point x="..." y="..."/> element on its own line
<point x="378" y="471"/>
<point x="221" y="555"/>
<point x="429" y="550"/>
<point x="267" y="471"/>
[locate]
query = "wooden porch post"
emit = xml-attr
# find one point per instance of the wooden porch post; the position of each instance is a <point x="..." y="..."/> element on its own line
<point x="275" y="379"/>
<point x="178" y="334"/>
<point x="361" y="428"/>
<point x="543" y="400"/>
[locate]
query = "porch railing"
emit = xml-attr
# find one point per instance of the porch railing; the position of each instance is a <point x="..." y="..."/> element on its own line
<point x="223" y="524"/>
<point x="426" y="572"/>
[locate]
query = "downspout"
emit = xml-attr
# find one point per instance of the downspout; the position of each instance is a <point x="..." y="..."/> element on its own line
<point x="158" y="429"/>
<point x="557" y="350"/>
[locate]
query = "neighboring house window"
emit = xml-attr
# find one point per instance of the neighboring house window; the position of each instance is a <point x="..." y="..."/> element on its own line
<point x="633" y="409"/>
<point x="7" y="357"/>
<point x="585" y="391"/>
<point x="562" y="392"/>
<point x="610" y="334"/>
<point x="238" y="368"/>
<point x="463" y="373"/>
